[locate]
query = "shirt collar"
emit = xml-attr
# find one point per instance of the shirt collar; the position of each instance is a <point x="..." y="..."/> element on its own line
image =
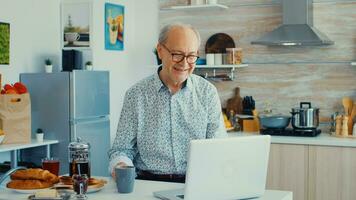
<point x="158" y="83"/>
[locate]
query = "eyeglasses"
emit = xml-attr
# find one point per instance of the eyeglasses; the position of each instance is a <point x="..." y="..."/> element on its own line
<point x="177" y="57"/>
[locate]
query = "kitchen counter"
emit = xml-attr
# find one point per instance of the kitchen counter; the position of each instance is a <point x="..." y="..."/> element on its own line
<point x="142" y="191"/>
<point x="322" y="139"/>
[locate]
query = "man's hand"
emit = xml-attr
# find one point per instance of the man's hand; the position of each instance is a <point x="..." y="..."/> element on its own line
<point x="120" y="164"/>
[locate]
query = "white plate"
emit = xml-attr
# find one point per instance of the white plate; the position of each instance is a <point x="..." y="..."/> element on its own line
<point x="26" y="191"/>
<point x="96" y="189"/>
<point x="91" y="189"/>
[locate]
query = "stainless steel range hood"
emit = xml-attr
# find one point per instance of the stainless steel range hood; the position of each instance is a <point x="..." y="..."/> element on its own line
<point x="297" y="28"/>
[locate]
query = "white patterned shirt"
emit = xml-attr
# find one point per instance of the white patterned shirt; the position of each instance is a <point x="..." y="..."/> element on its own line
<point x="155" y="127"/>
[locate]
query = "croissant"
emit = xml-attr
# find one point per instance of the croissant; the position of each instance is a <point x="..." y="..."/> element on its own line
<point x="28" y="184"/>
<point x="35" y="174"/>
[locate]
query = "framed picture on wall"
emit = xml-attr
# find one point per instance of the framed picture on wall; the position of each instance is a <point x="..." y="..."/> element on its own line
<point x="76" y="23"/>
<point x="114" y="27"/>
<point x="4" y="43"/>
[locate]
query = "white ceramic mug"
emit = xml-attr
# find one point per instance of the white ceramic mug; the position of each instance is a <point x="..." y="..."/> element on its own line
<point x="210" y="59"/>
<point x="71" y="37"/>
<point x="218" y="59"/>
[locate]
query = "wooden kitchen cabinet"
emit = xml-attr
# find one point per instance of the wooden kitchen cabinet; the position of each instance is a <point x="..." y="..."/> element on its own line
<point x="313" y="172"/>
<point x="288" y="169"/>
<point x="332" y="173"/>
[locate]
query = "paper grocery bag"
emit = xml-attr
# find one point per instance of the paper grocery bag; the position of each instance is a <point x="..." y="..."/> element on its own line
<point x="15" y="118"/>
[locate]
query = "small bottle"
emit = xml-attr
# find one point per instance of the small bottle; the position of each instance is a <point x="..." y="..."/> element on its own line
<point x="345" y="128"/>
<point x="338" y="127"/>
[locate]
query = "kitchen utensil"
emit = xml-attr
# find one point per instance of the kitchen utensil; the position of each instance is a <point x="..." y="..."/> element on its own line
<point x="305" y="117"/>
<point x="218" y="43"/>
<point x="348" y="104"/>
<point x="352" y="119"/>
<point x="274" y="121"/>
<point x="353" y="112"/>
<point x="248" y="105"/>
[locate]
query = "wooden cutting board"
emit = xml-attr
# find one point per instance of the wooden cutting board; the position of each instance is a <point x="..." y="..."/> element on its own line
<point x="218" y="43"/>
<point x="235" y="103"/>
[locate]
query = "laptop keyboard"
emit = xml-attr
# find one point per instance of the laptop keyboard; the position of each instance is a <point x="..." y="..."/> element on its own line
<point x="180" y="196"/>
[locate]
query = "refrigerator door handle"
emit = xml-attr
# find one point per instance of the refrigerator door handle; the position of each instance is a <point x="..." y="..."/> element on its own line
<point x="89" y="120"/>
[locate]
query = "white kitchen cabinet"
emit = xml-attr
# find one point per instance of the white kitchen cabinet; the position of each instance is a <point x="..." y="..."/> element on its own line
<point x="288" y="169"/>
<point x="332" y="173"/>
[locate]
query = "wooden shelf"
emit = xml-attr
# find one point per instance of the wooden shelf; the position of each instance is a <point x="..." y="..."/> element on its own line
<point x="14" y="148"/>
<point x="34" y="143"/>
<point x="204" y="7"/>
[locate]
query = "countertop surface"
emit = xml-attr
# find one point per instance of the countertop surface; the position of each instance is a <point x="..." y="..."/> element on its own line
<point x="143" y="190"/>
<point x="322" y="139"/>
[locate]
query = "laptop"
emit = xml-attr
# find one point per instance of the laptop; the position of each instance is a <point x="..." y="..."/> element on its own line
<point x="224" y="168"/>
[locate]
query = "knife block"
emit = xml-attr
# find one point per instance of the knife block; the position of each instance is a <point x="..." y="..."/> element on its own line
<point x="251" y="125"/>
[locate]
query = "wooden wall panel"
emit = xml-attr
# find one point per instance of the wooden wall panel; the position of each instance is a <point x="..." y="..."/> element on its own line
<point x="283" y="76"/>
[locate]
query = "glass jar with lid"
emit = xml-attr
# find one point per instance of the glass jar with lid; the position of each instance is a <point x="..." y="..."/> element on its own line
<point x="79" y="157"/>
<point x="234" y="56"/>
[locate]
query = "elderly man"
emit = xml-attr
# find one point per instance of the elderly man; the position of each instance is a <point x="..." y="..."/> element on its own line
<point x="163" y="112"/>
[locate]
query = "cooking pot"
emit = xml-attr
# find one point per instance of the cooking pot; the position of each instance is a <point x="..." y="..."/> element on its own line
<point x="305" y="117"/>
<point x="274" y="121"/>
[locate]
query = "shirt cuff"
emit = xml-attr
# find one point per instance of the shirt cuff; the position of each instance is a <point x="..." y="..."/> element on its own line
<point x="117" y="160"/>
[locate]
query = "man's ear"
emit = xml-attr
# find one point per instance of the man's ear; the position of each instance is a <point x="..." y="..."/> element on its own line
<point x="159" y="51"/>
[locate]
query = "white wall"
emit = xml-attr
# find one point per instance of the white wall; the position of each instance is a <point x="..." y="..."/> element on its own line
<point x="35" y="35"/>
<point x="135" y="62"/>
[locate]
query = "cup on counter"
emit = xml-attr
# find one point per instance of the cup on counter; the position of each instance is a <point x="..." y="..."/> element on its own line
<point x="125" y="178"/>
<point x="51" y="164"/>
<point x="80" y="185"/>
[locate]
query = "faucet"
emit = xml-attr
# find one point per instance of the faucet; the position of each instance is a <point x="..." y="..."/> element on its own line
<point x="8" y="173"/>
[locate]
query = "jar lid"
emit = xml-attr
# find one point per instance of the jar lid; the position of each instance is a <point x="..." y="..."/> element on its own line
<point x="79" y="144"/>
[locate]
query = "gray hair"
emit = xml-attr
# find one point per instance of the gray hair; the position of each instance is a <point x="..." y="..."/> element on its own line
<point x="163" y="35"/>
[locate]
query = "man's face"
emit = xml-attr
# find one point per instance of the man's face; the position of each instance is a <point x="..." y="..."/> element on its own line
<point x="180" y="42"/>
